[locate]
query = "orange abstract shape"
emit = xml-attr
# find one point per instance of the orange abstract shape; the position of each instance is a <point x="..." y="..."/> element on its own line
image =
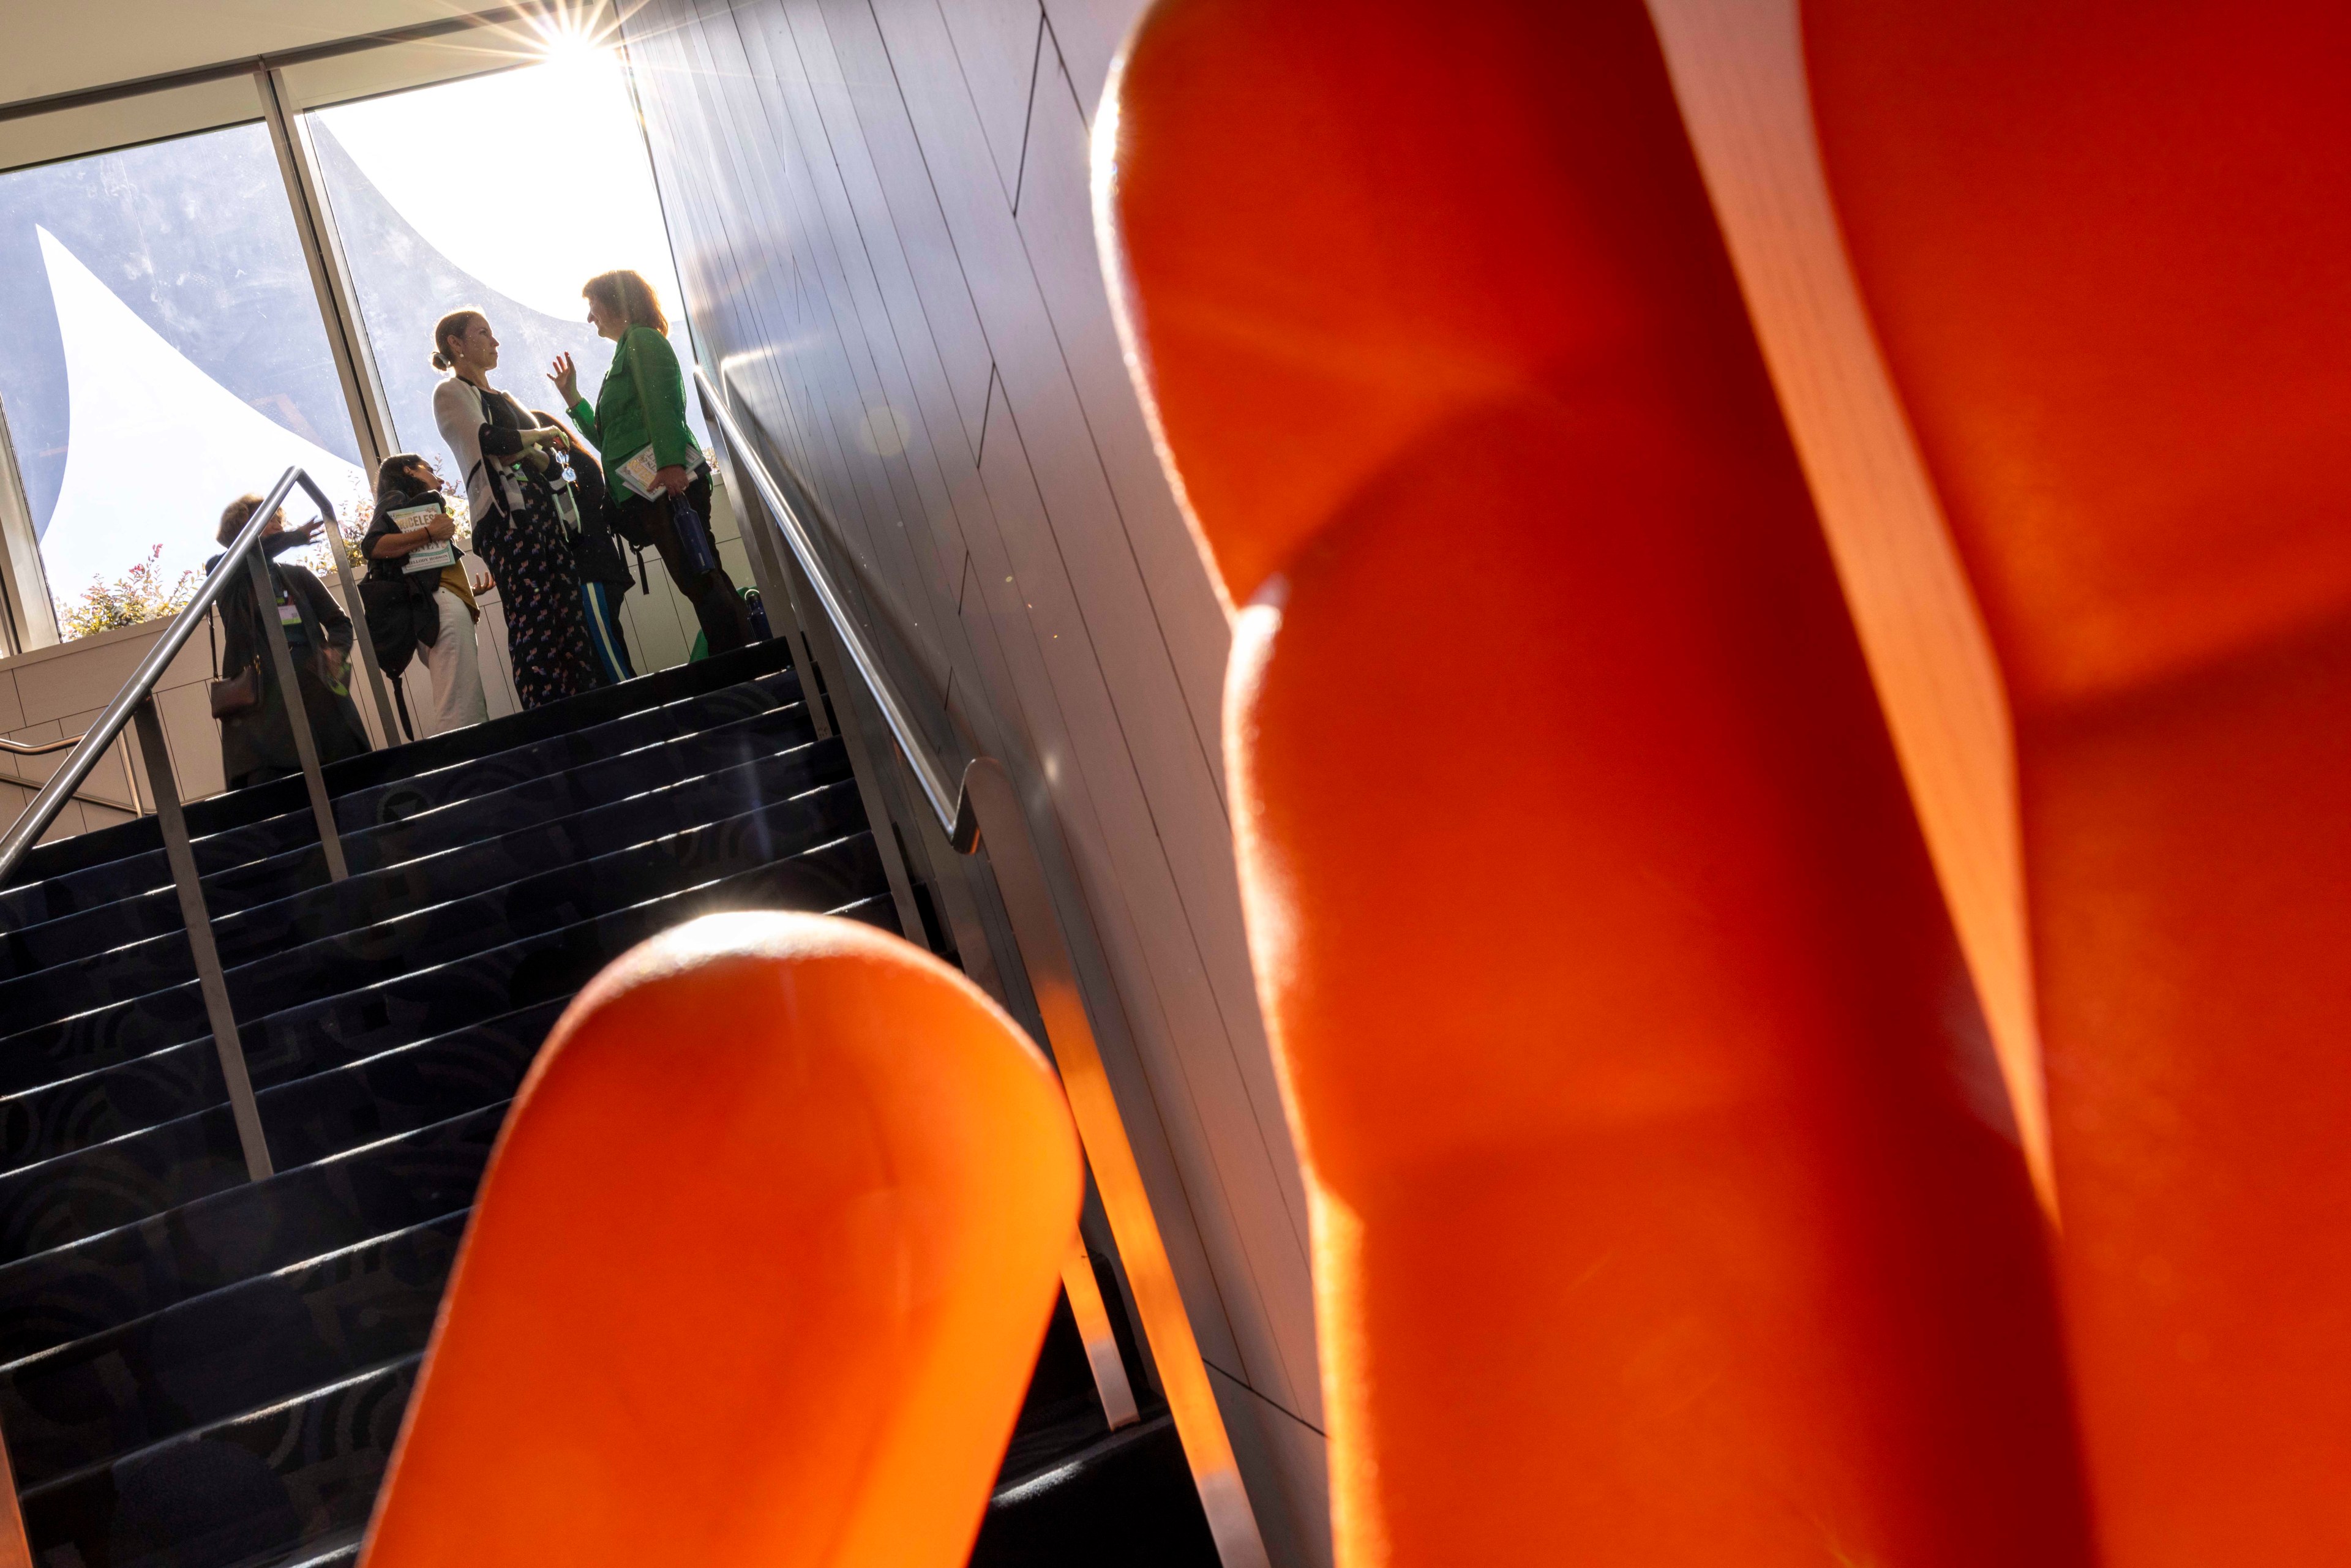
<point x="757" y="1273"/>
<point x="2104" y="246"/>
<point x="1666" y="1208"/>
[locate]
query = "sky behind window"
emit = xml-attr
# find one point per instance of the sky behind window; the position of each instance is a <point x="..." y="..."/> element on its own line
<point x="169" y="354"/>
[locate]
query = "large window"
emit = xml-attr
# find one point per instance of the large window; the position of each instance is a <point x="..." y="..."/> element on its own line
<point x="504" y="192"/>
<point x="166" y="353"/>
<point x="168" y="349"/>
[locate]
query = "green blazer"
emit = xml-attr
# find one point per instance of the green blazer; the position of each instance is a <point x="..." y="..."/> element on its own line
<point x="641" y="403"/>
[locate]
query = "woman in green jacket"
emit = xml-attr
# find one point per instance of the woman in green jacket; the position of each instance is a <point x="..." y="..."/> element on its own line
<point x="652" y="465"/>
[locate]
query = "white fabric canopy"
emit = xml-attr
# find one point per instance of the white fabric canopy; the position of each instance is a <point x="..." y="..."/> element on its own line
<point x="157" y="447"/>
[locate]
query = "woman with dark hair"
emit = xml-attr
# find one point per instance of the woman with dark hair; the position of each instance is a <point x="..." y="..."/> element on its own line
<point x="604" y="577"/>
<point x="418" y="602"/>
<point x="660" y="483"/>
<point x="257" y="735"/>
<point x="514" y="489"/>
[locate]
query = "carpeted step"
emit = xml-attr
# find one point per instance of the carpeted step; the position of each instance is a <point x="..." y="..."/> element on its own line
<point x="107" y="1449"/>
<point x="312" y="1323"/>
<point x="290" y="1480"/>
<point x="1126" y="1497"/>
<point x="239" y="934"/>
<point x="295" y="833"/>
<point x="537" y="803"/>
<point x="360" y="952"/>
<point x="340" y="1549"/>
<point x="255" y="1342"/>
<point x="93" y="1189"/>
<point x="149" y="1171"/>
<point x="515" y="973"/>
<point x="261" y="1482"/>
<point x="236" y="808"/>
<point x="57" y="1297"/>
<point x="113" y="1101"/>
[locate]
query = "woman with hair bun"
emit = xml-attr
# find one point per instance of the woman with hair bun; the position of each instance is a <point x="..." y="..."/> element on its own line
<point x="522" y="510"/>
<point x="659" y="482"/>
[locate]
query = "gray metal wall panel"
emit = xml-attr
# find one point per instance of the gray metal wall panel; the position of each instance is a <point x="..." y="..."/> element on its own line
<point x="881" y="214"/>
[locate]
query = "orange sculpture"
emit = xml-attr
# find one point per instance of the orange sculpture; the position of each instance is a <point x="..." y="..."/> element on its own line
<point x="2103" y="244"/>
<point x="757" y="1273"/>
<point x="1666" y="1208"/>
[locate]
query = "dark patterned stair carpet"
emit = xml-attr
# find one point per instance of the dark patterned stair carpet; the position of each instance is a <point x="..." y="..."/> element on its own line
<point x="289" y="797"/>
<point x="110" y="1102"/>
<point x="412" y="880"/>
<point x="467" y="802"/>
<point x="264" y="1479"/>
<point x="258" y="1341"/>
<point x="397" y="919"/>
<point x="76" y="1195"/>
<point x="201" y="1371"/>
<point x="457" y="991"/>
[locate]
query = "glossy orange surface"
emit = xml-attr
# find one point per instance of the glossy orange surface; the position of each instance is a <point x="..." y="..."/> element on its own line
<point x="2103" y="244"/>
<point x="1665" y="1208"/>
<point x="757" y="1273"/>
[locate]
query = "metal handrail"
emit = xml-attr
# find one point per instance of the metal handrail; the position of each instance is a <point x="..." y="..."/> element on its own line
<point x="35" y="819"/>
<point x="27" y="749"/>
<point x="135" y="704"/>
<point x="985" y="807"/>
<point x="950" y="806"/>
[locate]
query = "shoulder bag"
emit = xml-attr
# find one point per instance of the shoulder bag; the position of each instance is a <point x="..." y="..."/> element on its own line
<point x="241" y="693"/>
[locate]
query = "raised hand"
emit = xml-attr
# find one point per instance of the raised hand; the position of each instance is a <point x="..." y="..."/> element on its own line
<point x="566" y="377"/>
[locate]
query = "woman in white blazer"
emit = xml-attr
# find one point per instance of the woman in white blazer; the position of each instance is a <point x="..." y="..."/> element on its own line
<point x="523" y="512"/>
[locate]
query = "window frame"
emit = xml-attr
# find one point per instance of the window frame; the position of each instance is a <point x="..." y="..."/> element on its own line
<point x="277" y="90"/>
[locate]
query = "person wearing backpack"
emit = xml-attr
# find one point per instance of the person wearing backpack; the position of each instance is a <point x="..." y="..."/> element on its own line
<point x="660" y="481"/>
<point x="604" y="577"/>
<point x="417" y="599"/>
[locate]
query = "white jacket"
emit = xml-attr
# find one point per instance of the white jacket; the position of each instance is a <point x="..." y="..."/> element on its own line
<point x="457" y="410"/>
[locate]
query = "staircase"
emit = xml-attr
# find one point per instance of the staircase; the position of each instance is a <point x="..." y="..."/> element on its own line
<point x="200" y="1371"/>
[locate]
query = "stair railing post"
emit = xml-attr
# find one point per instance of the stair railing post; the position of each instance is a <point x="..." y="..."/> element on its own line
<point x="1091" y="1315"/>
<point x="363" y="638"/>
<point x="989" y="813"/>
<point x="297" y="711"/>
<point x="210" y="977"/>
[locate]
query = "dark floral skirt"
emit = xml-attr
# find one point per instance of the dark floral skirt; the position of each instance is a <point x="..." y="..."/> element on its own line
<point x="547" y="638"/>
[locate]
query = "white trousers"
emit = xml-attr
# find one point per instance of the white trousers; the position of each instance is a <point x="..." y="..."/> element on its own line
<point x="456" y="663"/>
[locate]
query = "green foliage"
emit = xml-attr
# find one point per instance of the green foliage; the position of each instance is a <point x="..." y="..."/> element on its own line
<point x="139" y="594"/>
<point x="136" y="596"/>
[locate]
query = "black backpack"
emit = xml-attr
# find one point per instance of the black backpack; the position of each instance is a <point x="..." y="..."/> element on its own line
<point x="399" y="619"/>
